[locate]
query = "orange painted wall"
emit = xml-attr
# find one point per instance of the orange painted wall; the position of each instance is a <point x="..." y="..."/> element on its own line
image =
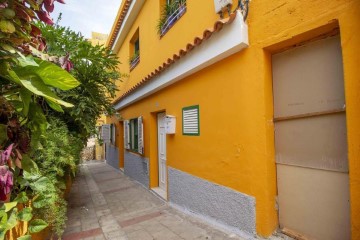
<point x="236" y="144"/>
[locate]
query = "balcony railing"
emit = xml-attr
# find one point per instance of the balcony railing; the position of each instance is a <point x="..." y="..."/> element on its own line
<point x="176" y="15"/>
<point x="134" y="62"/>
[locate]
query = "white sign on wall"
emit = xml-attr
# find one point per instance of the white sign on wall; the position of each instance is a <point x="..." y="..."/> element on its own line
<point x="220" y="4"/>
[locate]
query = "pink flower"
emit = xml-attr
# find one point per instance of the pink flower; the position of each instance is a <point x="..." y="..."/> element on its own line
<point x="61" y="1"/>
<point x="5" y="155"/>
<point x="45" y="17"/>
<point x="6" y="182"/>
<point x="49" y="5"/>
<point x="65" y="63"/>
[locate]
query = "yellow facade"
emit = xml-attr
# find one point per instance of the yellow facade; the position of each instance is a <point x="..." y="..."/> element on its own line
<point x="98" y="38"/>
<point x="236" y="145"/>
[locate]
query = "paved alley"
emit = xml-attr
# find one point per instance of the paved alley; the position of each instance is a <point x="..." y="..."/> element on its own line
<point x="106" y="204"/>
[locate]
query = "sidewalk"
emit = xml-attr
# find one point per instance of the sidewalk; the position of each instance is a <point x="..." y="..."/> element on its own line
<point x="106" y="204"/>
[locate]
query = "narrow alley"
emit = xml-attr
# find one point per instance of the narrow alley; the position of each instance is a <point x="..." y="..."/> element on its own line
<point x="106" y="204"/>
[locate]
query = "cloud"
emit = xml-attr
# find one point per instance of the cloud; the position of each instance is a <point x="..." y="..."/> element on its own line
<point x="86" y="16"/>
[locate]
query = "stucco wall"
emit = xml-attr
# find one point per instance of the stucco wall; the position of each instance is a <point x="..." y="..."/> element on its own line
<point x="112" y="155"/>
<point x="211" y="200"/>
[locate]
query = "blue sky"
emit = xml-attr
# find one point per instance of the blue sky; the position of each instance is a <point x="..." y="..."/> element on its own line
<point x="86" y="16"/>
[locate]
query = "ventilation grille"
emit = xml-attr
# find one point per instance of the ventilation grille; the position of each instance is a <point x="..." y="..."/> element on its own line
<point x="191" y="120"/>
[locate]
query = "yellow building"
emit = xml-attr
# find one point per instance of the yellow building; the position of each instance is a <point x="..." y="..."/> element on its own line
<point x="98" y="38"/>
<point x="243" y="123"/>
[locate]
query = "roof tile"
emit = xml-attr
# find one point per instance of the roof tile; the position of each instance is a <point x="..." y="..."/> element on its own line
<point x="207" y="33"/>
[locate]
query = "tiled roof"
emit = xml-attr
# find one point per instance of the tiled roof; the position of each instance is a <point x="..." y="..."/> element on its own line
<point x="120" y="21"/>
<point x="207" y="33"/>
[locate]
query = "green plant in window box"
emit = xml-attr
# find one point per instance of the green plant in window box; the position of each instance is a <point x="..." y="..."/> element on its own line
<point x="168" y="10"/>
<point x="134" y="58"/>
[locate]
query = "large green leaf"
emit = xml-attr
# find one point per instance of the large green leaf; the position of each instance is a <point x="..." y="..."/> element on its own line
<point x="41" y="202"/>
<point x="37" y="225"/>
<point x="2" y="233"/>
<point x="21" y="198"/>
<point x="26" y="99"/>
<point x="37" y="124"/>
<point x="9" y="206"/>
<point x="25" y="214"/>
<point x="55" y="106"/>
<point x="6" y="72"/>
<point x="28" y="164"/>
<point x="42" y="184"/>
<point x="7" y="26"/>
<point x="27" y="61"/>
<point x="50" y="74"/>
<point x="37" y="86"/>
<point x="12" y="221"/>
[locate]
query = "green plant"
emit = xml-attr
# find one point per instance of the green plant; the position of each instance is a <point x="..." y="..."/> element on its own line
<point x="97" y="70"/>
<point x="57" y="159"/>
<point x="134" y="57"/>
<point x="169" y="8"/>
<point x="28" y="85"/>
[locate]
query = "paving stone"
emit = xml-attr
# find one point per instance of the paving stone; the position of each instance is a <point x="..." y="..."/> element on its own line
<point x="69" y="230"/>
<point x="89" y="226"/>
<point x="117" y="234"/>
<point x="140" y="235"/>
<point x="164" y="234"/>
<point x="106" y="204"/>
<point x="132" y="228"/>
<point x="110" y="227"/>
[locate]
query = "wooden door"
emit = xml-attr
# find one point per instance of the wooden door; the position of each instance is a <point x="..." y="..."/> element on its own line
<point x="311" y="141"/>
<point x="162" y="151"/>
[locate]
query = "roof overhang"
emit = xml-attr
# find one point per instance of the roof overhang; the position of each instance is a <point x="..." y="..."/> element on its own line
<point x="232" y="39"/>
<point x="128" y="21"/>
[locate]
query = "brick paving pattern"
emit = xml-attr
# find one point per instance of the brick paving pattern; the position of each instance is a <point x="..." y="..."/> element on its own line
<point x="106" y="204"/>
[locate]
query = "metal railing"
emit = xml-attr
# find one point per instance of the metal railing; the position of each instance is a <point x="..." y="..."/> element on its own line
<point x="134" y="62"/>
<point x="173" y="18"/>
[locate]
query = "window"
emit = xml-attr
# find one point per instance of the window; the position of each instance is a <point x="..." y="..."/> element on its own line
<point x="133" y="135"/>
<point x="134" y="52"/>
<point x="171" y="11"/>
<point x="191" y="121"/>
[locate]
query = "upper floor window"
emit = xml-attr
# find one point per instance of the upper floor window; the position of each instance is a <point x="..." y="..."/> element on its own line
<point x="171" y="12"/>
<point x="134" y="52"/>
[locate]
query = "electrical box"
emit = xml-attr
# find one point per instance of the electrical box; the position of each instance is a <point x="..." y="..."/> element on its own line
<point x="170" y="124"/>
<point x="220" y="4"/>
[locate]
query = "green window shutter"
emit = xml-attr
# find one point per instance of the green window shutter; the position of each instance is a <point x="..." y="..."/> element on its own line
<point x="191" y="120"/>
<point x="135" y="138"/>
<point x="140" y="135"/>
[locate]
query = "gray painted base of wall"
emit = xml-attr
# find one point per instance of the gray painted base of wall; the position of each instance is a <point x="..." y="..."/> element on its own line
<point x="137" y="168"/>
<point x="221" y="204"/>
<point x="112" y="155"/>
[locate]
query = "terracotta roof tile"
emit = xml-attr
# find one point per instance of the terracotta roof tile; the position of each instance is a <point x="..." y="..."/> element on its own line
<point x="207" y="33"/>
<point x="119" y="22"/>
